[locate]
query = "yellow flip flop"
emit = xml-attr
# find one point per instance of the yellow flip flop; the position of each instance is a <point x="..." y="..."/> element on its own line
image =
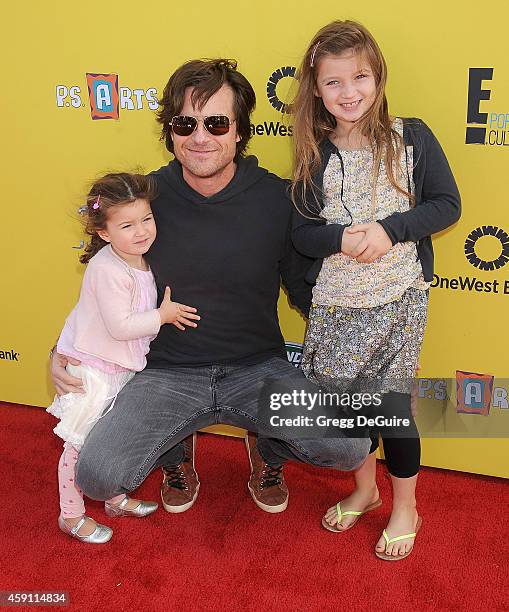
<point x="388" y="541"/>
<point x="357" y="513"/>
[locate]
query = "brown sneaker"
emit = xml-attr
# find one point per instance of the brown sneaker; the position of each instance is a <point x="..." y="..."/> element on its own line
<point x="180" y="483"/>
<point x="267" y="484"/>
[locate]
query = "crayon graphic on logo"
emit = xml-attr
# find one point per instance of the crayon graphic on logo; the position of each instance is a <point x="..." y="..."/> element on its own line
<point x="473" y="392"/>
<point x="103" y="95"/>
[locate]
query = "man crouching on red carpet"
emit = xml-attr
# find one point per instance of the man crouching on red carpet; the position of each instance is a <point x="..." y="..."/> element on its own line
<point x="223" y="227"/>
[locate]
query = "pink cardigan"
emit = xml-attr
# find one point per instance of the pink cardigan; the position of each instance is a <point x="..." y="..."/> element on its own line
<point x="104" y="323"/>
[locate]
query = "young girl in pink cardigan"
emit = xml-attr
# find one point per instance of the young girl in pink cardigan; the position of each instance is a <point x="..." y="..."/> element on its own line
<point x="108" y="333"/>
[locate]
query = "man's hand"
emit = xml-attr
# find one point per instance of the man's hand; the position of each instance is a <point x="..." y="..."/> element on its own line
<point x="352" y="245"/>
<point x="177" y="314"/>
<point x="62" y="380"/>
<point x="376" y="241"/>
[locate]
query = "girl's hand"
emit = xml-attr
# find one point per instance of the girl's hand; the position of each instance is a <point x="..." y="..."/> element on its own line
<point x="377" y="241"/>
<point x="352" y="245"/>
<point x="62" y="380"/>
<point x="175" y="313"/>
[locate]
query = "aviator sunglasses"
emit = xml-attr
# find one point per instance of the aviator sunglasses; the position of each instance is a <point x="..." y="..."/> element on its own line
<point x="217" y="125"/>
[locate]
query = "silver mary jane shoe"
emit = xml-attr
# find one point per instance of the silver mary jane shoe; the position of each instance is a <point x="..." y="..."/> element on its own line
<point x="100" y="535"/>
<point x="144" y="508"/>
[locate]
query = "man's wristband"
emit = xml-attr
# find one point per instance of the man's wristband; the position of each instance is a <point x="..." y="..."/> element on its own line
<point x="52" y="351"/>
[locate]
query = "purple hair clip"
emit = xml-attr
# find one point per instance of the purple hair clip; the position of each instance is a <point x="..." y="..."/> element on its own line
<point x="96" y="204"/>
<point x="313" y="53"/>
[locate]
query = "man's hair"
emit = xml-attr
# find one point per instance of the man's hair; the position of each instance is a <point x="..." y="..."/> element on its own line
<point x="206" y="77"/>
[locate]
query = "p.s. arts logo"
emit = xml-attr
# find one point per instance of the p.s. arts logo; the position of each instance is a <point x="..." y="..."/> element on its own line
<point x="105" y="97"/>
<point x="294" y="353"/>
<point x="487" y="249"/>
<point x="482" y="127"/>
<point x="476" y="394"/>
<point x="278" y="87"/>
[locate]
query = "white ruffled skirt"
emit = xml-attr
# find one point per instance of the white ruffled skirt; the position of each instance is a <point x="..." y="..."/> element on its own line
<point x="79" y="412"/>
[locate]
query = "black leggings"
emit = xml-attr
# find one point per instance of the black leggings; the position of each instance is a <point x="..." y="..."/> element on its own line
<point x="402" y="448"/>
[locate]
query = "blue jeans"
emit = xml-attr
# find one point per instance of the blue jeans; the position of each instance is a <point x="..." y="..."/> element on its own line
<point x="157" y="409"/>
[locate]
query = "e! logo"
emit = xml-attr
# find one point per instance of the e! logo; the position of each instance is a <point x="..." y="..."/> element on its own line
<point x="477" y="135"/>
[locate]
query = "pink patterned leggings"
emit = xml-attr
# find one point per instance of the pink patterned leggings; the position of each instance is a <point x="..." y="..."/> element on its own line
<point x="71" y="496"/>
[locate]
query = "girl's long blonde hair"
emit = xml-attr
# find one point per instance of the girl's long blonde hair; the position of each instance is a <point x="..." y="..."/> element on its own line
<point x="313" y="122"/>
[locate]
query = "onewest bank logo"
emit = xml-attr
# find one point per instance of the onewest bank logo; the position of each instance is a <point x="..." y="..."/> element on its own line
<point x="105" y="97"/>
<point x="9" y="355"/>
<point x="492" y="260"/>
<point x="484" y="128"/>
<point x="276" y="82"/>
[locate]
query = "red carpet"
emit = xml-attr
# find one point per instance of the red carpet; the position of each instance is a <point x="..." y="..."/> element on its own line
<point x="226" y="554"/>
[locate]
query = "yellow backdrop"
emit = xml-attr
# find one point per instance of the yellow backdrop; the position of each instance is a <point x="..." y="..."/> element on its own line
<point x="444" y="66"/>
